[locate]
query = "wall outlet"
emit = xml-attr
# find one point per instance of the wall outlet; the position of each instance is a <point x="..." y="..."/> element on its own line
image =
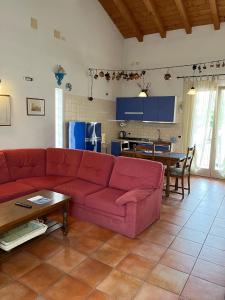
<point x="34" y="23"/>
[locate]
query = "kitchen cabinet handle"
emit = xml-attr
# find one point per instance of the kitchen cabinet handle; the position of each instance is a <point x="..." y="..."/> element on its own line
<point x="133" y="113"/>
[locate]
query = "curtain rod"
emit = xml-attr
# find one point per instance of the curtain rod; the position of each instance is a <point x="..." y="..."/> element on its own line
<point x="157" y="68"/>
<point x="191" y="76"/>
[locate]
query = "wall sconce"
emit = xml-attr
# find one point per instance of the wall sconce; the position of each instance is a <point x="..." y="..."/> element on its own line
<point x="143" y="93"/>
<point x="59" y="74"/>
<point x="192" y="91"/>
<point x="0" y="84"/>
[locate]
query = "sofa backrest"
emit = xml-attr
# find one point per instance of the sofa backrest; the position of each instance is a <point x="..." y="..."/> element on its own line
<point x="24" y="163"/>
<point x="96" y="167"/>
<point x="63" y="162"/>
<point x="130" y="173"/>
<point x="4" y="171"/>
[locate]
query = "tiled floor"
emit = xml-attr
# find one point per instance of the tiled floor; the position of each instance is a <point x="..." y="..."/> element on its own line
<point x="182" y="256"/>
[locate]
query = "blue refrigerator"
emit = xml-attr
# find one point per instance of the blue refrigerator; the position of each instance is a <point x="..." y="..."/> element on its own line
<point x="85" y="135"/>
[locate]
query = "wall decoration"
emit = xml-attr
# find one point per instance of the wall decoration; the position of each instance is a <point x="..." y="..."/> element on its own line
<point x="135" y="74"/>
<point x="59" y="74"/>
<point x="35" y="107"/>
<point x="5" y="110"/>
<point x="68" y="86"/>
<point x="167" y="76"/>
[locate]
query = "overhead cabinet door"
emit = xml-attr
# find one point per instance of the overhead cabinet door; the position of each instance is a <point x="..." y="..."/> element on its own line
<point x="167" y="109"/>
<point x="151" y="109"/>
<point x="159" y="109"/>
<point x="129" y="108"/>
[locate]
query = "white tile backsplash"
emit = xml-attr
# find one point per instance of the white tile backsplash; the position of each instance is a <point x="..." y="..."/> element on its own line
<point x="98" y="110"/>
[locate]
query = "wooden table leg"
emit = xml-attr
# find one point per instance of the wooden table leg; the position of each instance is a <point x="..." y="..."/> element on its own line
<point x="168" y="180"/>
<point x="65" y="218"/>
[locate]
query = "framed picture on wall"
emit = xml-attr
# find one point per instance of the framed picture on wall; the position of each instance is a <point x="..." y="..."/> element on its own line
<point x="5" y="110"/>
<point x="35" y="107"/>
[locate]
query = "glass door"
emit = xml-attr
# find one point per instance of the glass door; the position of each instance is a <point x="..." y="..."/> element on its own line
<point x="202" y="131"/>
<point x="218" y="155"/>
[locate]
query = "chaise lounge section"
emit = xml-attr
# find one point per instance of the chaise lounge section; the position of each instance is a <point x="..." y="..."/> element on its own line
<point x="119" y="193"/>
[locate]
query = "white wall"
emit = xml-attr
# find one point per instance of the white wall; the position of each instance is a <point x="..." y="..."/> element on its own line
<point x="204" y="44"/>
<point x="91" y="39"/>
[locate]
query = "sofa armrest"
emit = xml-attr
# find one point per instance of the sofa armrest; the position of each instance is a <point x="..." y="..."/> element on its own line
<point x="135" y="196"/>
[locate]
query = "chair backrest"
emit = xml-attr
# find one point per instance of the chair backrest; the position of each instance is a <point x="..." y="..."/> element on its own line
<point x="162" y="146"/>
<point x="189" y="158"/>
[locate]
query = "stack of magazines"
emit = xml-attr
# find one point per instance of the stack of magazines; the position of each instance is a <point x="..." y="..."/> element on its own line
<point x="21" y="234"/>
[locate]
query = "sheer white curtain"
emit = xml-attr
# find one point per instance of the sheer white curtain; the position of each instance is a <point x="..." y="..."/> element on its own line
<point x="198" y="121"/>
<point x="220" y="134"/>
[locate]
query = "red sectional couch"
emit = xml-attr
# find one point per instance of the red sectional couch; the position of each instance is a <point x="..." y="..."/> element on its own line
<point x="120" y="193"/>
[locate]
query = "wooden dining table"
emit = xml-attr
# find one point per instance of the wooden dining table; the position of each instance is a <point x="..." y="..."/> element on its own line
<point x="168" y="159"/>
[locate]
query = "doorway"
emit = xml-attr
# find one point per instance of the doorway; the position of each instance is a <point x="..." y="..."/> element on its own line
<point x="59" y="118"/>
<point x="208" y="132"/>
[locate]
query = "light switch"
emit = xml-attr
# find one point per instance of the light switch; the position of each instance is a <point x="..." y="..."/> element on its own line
<point x="34" y="23"/>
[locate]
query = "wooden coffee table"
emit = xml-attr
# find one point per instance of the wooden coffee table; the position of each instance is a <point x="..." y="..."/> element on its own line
<point x="12" y="215"/>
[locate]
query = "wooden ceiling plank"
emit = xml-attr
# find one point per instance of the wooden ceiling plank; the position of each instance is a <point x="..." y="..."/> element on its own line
<point x="184" y="16"/>
<point x="150" y="6"/>
<point x="127" y="16"/>
<point x="215" y="14"/>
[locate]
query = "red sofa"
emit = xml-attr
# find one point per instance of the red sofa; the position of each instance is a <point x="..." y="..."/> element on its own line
<point x="120" y="193"/>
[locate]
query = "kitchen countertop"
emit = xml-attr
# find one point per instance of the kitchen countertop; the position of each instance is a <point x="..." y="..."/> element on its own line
<point x="140" y="140"/>
<point x="133" y="141"/>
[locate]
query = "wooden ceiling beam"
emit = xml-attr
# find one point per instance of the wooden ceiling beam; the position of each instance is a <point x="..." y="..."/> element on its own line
<point x="215" y="14"/>
<point x="150" y="6"/>
<point x="127" y="16"/>
<point x="184" y="16"/>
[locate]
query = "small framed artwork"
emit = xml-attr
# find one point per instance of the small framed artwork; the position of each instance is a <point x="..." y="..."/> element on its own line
<point x="5" y="110"/>
<point x="35" y="107"/>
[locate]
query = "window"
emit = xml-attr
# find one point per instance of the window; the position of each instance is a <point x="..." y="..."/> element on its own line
<point x="59" y="117"/>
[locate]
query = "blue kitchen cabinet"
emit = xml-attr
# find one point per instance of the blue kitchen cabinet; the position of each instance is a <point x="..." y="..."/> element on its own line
<point x="167" y="107"/>
<point x="129" y="108"/>
<point x="151" y="109"/>
<point x="115" y="148"/>
<point x="159" y="109"/>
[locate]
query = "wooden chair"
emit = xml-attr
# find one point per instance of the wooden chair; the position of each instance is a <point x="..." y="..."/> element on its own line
<point x="163" y="145"/>
<point x="181" y="171"/>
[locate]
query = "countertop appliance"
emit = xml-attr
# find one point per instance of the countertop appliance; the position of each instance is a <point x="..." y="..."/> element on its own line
<point x="85" y="135"/>
<point x="122" y="134"/>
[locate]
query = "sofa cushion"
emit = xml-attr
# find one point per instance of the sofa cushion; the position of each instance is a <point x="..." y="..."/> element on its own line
<point x="24" y="163"/>
<point x="104" y="201"/>
<point x="12" y="190"/>
<point x="45" y="182"/>
<point x="78" y="189"/>
<point x="4" y="171"/>
<point x="63" y="162"/>
<point x="96" y="167"/>
<point x="131" y="173"/>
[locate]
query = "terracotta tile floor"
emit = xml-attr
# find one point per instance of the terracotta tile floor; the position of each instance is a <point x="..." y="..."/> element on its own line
<point x="181" y="256"/>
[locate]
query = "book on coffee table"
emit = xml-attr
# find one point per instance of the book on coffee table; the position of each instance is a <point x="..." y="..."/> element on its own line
<point x="39" y="200"/>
